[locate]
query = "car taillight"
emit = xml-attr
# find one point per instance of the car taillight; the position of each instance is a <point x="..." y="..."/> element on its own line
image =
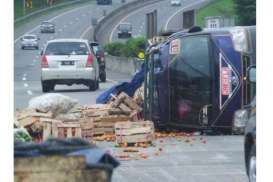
<point x="90" y="60"/>
<point x="44" y="63"/>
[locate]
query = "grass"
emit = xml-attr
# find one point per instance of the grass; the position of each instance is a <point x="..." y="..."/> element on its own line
<point x="71" y="6"/>
<point x="216" y="8"/>
<point x="36" y="5"/>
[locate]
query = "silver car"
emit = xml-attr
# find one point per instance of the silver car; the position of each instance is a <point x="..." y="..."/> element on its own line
<point x="176" y="2"/>
<point x="29" y="41"/>
<point x="68" y="61"/>
<point x="47" y="27"/>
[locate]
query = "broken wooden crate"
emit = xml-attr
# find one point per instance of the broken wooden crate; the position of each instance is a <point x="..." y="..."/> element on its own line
<point x="134" y="132"/>
<point x="30" y="119"/>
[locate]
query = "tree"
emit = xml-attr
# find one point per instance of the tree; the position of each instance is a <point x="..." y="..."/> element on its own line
<point x="245" y="11"/>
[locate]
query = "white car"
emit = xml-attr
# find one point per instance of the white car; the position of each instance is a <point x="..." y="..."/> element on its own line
<point x="176" y="2"/>
<point x="68" y="61"/>
<point x="29" y="41"/>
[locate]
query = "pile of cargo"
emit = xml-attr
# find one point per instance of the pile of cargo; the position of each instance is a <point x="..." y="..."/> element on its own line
<point x="58" y="116"/>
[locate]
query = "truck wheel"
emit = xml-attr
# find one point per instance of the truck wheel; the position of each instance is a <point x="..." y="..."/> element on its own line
<point x="103" y="77"/>
<point x="252" y="164"/>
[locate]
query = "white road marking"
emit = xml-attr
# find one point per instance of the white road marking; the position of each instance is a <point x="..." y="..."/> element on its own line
<point x="24" y="78"/>
<point x="173" y="15"/>
<point x="85" y="32"/>
<point x="113" y="81"/>
<point x="29" y="92"/>
<point x="25" y="85"/>
<point x="50" y="20"/>
<point x="89" y="28"/>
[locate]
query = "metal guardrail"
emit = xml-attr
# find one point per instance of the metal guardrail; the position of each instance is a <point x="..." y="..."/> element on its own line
<point x="127" y="8"/>
<point x="49" y="8"/>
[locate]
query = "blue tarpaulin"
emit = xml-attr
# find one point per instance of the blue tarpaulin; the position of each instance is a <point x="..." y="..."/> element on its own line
<point x="128" y="87"/>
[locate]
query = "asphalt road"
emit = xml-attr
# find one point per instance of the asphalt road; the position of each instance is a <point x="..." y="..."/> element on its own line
<point x="72" y="23"/>
<point x="212" y="159"/>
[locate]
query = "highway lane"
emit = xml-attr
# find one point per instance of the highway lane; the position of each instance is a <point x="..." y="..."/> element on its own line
<point x="169" y="17"/>
<point x="71" y="24"/>
<point x="174" y="22"/>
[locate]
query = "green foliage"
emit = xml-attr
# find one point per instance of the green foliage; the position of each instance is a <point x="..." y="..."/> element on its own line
<point x="246" y="11"/>
<point x="128" y="49"/>
<point x="216" y="8"/>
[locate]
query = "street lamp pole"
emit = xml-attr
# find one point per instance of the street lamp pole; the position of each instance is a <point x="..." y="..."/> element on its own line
<point x="24" y="7"/>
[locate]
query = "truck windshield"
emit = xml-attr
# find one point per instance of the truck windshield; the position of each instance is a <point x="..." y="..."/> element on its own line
<point x="190" y="79"/>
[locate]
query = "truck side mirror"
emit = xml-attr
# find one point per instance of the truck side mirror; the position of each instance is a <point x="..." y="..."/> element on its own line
<point x="251" y="74"/>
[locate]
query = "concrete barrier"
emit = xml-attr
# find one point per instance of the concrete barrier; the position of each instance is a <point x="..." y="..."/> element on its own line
<point x="123" y="65"/>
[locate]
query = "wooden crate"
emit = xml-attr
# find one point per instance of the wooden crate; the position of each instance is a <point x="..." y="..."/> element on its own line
<point x="58" y="129"/>
<point x="57" y="169"/>
<point x="106" y="125"/>
<point x="134" y="132"/>
<point x="69" y="130"/>
<point x="87" y="128"/>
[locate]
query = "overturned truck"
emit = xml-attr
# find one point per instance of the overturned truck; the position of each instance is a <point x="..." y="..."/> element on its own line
<point x="195" y="79"/>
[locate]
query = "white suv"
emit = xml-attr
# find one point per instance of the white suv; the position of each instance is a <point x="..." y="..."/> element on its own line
<point x="68" y="61"/>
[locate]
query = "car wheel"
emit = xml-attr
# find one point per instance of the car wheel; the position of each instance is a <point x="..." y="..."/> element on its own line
<point x="252" y="164"/>
<point x="51" y="86"/>
<point x="45" y="87"/>
<point x="103" y="77"/>
<point x="23" y="47"/>
<point x="92" y="85"/>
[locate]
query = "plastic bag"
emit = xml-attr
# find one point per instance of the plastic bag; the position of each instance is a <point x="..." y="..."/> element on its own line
<point x="56" y="103"/>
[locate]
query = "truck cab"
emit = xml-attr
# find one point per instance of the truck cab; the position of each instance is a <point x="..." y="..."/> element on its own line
<point x="195" y="80"/>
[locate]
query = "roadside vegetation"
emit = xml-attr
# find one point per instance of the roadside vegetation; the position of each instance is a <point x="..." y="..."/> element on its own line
<point x="245" y="11"/>
<point x="129" y="49"/>
<point x="19" y="9"/>
<point x="216" y="8"/>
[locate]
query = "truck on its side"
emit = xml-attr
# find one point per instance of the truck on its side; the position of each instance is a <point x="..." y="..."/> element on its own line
<point x="196" y="79"/>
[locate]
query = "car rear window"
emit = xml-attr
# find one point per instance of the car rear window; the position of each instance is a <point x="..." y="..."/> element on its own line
<point x="67" y="48"/>
<point x="125" y="27"/>
<point x="29" y="37"/>
<point x="47" y="23"/>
